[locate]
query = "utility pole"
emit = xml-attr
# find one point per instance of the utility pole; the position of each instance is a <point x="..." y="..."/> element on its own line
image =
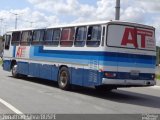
<point x="16" y="19"/>
<point x="1" y="20"/>
<point x="117" y="14"/>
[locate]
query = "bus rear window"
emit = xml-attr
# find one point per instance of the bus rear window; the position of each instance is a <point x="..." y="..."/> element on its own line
<point x="130" y="37"/>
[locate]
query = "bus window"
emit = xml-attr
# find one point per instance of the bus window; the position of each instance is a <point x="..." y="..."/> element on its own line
<point x="26" y="37"/>
<point x="48" y="36"/>
<point x="104" y="30"/>
<point x="80" y="37"/>
<point x="16" y="38"/>
<point x="7" y="42"/>
<point x="38" y="36"/>
<point x="56" y="36"/>
<point x="67" y="37"/>
<point x="94" y="36"/>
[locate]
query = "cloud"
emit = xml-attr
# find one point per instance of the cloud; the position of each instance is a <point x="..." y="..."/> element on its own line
<point x="26" y="18"/>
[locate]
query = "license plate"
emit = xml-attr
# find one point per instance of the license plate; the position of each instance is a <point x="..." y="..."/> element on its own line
<point x="134" y="73"/>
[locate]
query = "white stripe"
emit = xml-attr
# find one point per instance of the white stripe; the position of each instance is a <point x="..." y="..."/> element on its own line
<point x="15" y="110"/>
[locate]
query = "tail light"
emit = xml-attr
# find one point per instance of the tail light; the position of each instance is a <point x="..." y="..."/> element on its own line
<point x="110" y="75"/>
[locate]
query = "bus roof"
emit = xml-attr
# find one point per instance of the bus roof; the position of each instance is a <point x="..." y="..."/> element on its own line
<point x="88" y="23"/>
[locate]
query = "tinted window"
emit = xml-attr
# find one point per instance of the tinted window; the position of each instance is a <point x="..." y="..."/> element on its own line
<point x="26" y="37"/>
<point x="49" y="35"/>
<point x="7" y="41"/>
<point x="80" y="37"/>
<point x="56" y="36"/>
<point x="38" y="36"/>
<point x="16" y="37"/>
<point x="94" y="36"/>
<point x="67" y="37"/>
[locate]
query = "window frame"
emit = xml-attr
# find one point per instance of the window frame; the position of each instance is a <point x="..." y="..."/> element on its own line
<point x="48" y="42"/>
<point x="52" y="41"/>
<point x="7" y="46"/>
<point x="84" y="35"/>
<point x="29" y="38"/>
<point x="57" y="41"/>
<point x="89" y="41"/>
<point x="16" y="42"/>
<point x="39" y="41"/>
<point x="69" y="41"/>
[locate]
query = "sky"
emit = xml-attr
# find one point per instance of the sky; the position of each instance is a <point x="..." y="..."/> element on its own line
<point x="44" y="13"/>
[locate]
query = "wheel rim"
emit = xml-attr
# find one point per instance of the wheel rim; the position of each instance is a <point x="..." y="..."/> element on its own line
<point x="14" y="70"/>
<point x="63" y="78"/>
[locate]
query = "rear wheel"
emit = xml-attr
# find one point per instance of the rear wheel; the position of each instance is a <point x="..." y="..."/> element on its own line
<point x="64" y="79"/>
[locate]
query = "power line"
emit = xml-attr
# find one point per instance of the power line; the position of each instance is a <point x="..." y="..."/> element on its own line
<point x="31" y="22"/>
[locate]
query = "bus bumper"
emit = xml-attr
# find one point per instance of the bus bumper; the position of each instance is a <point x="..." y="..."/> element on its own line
<point x="106" y="81"/>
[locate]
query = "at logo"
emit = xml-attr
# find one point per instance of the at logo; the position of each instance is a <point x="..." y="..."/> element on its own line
<point x="20" y="51"/>
<point x="131" y="34"/>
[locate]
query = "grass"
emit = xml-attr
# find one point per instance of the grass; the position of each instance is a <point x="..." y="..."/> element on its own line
<point x="157" y="77"/>
<point x="0" y="62"/>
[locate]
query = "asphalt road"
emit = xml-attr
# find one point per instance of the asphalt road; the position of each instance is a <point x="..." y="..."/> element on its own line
<point x="31" y="95"/>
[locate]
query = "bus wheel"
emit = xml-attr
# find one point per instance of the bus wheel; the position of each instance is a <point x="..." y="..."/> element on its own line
<point x="14" y="71"/>
<point x="64" y="79"/>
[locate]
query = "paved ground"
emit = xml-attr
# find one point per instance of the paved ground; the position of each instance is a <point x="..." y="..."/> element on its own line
<point x="33" y="95"/>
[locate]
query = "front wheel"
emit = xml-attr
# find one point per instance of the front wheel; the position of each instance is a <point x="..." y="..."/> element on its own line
<point x="14" y="71"/>
<point x="64" y="79"/>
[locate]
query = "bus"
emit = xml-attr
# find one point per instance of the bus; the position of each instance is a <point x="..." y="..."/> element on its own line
<point x="105" y="55"/>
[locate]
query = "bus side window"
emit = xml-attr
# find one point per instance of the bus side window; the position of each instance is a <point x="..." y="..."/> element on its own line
<point x="103" y="35"/>
<point x="56" y="37"/>
<point x="7" y="41"/>
<point x="48" y="39"/>
<point x="67" y="37"/>
<point x="80" y="37"/>
<point x="16" y="38"/>
<point x="94" y="36"/>
<point x="38" y="37"/>
<point x="26" y="37"/>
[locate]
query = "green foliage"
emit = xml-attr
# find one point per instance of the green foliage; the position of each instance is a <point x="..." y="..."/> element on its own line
<point x="1" y="62"/>
<point x="157" y="77"/>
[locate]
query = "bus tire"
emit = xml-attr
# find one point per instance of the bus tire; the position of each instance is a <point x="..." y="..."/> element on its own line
<point x="14" y="71"/>
<point x="64" y="79"/>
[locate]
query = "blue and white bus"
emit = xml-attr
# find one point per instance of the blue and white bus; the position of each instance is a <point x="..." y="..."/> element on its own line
<point x="106" y="54"/>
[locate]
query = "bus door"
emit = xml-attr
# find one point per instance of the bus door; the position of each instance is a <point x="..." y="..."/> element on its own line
<point x="136" y="48"/>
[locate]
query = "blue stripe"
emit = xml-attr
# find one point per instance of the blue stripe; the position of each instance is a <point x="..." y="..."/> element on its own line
<point x="110" y="58"/>
<point x="14" y="51"/>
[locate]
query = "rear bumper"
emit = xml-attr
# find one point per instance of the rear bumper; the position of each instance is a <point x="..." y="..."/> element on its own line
<point x="118" y="82"/>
